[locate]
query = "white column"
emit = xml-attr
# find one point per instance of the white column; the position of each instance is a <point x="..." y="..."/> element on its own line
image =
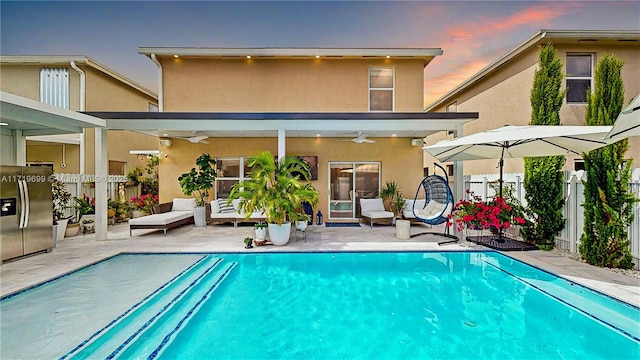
<point x="281" y="144"/>
<point x="21" y="148"/>
<point x="458" y="181"/>
<point x="101" y="164"/>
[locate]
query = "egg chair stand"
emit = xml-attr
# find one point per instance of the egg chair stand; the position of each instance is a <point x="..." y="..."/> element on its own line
<point x="438" y="204"/>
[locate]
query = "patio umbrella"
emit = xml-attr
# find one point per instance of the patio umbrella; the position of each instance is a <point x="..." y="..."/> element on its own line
<point x="628" y="122"/>
<point x="521" y="141"/>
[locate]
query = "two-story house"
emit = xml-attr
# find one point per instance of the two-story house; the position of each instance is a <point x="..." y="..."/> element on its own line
<point x="355" y="114"/>
<point x="500" y="92"/>
<point x="78" y="83"/>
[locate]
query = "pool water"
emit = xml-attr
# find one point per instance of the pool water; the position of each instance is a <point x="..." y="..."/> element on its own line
<point x="415" y="305"/>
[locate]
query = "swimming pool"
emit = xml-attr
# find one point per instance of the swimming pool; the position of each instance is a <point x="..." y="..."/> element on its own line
<point x="421" y="305"/>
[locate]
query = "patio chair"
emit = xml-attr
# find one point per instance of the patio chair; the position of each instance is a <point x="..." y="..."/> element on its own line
<point x="372" y="210"/>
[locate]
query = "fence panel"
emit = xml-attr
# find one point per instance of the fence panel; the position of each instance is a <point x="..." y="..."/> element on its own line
<point x="573" y="210"/>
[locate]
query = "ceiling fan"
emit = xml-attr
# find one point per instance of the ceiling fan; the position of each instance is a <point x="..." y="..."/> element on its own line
<point x="195" y="138"/>
<point x="361" y="138"/>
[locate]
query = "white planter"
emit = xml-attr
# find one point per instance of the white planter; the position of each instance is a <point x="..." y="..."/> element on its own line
<point x="200" y="216"/>
<point x="261" y="233"/>
<point x="60" y="229"/>
<point x="301" y="225"/>
<point x="279" y="234"/>
<point x="137" y="213"/>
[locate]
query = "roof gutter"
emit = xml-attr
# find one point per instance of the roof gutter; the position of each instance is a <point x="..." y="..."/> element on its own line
<point x="82" y="107"/>
<point x="160" y="92"/>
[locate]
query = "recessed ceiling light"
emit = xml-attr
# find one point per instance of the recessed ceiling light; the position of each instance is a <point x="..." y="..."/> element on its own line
<point x="394" y="135"/>
<point x="248" y="56"/>
<point x="317" y="56"/>
<point x="317" y="135"/>
<point x="3" y="124"/>
<point x="388" y="56"/>
<point x="176" y="56"/>
<point x="165" y="134"/>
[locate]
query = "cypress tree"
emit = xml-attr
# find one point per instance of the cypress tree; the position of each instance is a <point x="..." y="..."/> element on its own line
<point x="607" y="211"/>
<point x="543" y="175"/>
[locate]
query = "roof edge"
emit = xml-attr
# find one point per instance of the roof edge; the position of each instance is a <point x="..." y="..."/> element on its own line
<point x="268" y="51"/>
<point x="81" y="59"/>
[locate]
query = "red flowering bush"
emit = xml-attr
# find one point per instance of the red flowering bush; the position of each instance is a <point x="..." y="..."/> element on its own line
<point x="145" y="203"/>
<point x="476" y="214"/>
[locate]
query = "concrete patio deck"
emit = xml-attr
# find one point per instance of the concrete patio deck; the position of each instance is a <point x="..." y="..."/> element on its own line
<point x="73" y="253"/>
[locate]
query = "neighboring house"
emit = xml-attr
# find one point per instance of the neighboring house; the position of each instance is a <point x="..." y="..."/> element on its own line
<point x="78" y="83"/>
<point x="312" y="102"/>
<point x="500" y="92"/>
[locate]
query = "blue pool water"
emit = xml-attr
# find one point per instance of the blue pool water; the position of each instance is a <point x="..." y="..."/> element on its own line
<point x="433" y="305"/>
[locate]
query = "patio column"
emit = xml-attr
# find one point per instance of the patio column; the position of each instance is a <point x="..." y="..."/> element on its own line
<point x="102" y="173"/>
<point x="458" y="179"/>
<point x="281" y="144"/>
<point x="21" y="148"/>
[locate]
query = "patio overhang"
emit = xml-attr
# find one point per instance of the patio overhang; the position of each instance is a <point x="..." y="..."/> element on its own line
<point x="299" y="124"/>
<point x="34" y="118"/>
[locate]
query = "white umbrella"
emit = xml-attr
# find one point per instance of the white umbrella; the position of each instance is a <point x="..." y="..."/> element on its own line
<point x="628" y="122"/>
<point x="521" y="141"/>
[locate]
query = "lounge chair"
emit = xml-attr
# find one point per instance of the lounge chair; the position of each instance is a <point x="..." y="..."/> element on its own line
<point x="178" y="213"/>
<point x="372" y="210"/>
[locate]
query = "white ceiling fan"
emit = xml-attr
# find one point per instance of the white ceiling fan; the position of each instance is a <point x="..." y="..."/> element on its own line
<point x="195" y="138"/>
<point x="361" y="138"/>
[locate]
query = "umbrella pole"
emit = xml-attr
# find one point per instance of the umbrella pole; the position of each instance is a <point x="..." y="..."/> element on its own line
<point x="501" y="164"/>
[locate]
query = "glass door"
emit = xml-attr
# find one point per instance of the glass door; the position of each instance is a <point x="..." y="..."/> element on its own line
<point x="349" y="182"/>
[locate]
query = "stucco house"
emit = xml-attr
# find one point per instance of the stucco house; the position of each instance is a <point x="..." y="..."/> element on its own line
<point x="313" y="102"/>
<point x="75" y="83"/>
<point x="500" y="92"/>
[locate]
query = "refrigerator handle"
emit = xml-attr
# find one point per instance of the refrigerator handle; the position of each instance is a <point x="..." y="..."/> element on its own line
<point x="23" y="206"/>
<point x="27" y="202"/>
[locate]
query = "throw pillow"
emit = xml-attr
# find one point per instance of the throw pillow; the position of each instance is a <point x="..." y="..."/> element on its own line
<point x="224" y="208"/>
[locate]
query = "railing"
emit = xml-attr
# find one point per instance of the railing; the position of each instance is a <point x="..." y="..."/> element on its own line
<point x="573" y="210"/>
<point x="84" y="184"/>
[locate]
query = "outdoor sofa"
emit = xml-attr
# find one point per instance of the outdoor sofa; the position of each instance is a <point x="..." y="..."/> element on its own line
<point x="372" y="210"/>
<point x="172" y="215"/>
<point x="223" y="213"/>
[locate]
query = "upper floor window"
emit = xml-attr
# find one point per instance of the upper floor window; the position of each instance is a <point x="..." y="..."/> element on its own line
<point x="153" y="108"/>
<point x="54" y="87"/>
<point x="381" y="89"/>
<point x="579" y="77"/>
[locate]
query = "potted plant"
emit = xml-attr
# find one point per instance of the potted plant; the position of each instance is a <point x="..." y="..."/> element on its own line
<point x="277" y="189"/>
<point x="261" y="230"/>
<point x="198" y="183"/>
<point x="61" y="198"/>
<point x="83" y="206"/>
<point x="144" y="205"/>
<point x="390" y="190"/>
<point x="397" y="204"/>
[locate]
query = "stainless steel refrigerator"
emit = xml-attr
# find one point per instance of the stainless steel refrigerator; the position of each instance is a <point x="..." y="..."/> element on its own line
<point x="26" y="219"/>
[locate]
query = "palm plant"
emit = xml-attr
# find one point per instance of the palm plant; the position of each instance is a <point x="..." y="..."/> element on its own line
<point x="274" y="189"/>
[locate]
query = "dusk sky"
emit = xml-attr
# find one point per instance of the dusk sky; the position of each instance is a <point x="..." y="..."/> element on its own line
<point x="471" y="33"/>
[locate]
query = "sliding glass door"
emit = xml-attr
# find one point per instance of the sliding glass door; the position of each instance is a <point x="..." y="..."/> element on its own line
<point x="349" y="182"/>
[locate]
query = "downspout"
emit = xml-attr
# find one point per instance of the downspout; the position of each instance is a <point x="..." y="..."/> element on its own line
<point x="160" y="102"/>
<point x="82" y="107"/>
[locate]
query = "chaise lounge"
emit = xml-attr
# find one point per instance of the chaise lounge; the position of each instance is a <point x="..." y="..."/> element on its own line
<point x="172" y="215"/>
<point x="372" y="210"/>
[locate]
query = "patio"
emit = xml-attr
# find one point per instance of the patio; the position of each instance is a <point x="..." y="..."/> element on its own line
<point x="75" y="252"/>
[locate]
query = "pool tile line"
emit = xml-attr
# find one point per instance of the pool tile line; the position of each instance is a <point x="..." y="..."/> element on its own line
<point x="308" y="252"/>
<point x="163" y="309"/>
<point x="634" y="307"/>
<point x="192" y="311"/>
<point x="8" y="296"/>
<point x="564" y="302"/>
<point x="133" y="307"/>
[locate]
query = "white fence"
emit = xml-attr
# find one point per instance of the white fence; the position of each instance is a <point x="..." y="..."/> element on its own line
<point x="569" y="237"/>
<point x="84" y="184"/>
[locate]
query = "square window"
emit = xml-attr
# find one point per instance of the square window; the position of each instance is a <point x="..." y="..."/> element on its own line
<point x="381" y="78"/>
<point x="381" y="100"/>
<point x="577" y="90"/>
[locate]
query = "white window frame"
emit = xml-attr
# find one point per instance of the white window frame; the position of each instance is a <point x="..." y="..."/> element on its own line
<point x="393" y="87"/>
<point x="590" y="78"/>
<point x="241" y="176"/>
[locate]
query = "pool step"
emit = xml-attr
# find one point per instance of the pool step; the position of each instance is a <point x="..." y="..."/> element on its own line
<point x="150" y="343"/>
<point x="109" y="339"/>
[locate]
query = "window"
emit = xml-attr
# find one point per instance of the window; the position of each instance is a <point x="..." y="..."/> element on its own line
<point x="578" y="165"/>
<point x="381" y="83"/>
<point x="116" y="167"/>
<point x="54" y="87"/>
<point x="579" y="77"/>
<point x="153" y="107"/>
<point x="229" y="171"/>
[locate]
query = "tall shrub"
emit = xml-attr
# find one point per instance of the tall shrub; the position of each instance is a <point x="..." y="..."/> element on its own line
<point x="607" y="211"/>
<point x="543" y="175"/>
